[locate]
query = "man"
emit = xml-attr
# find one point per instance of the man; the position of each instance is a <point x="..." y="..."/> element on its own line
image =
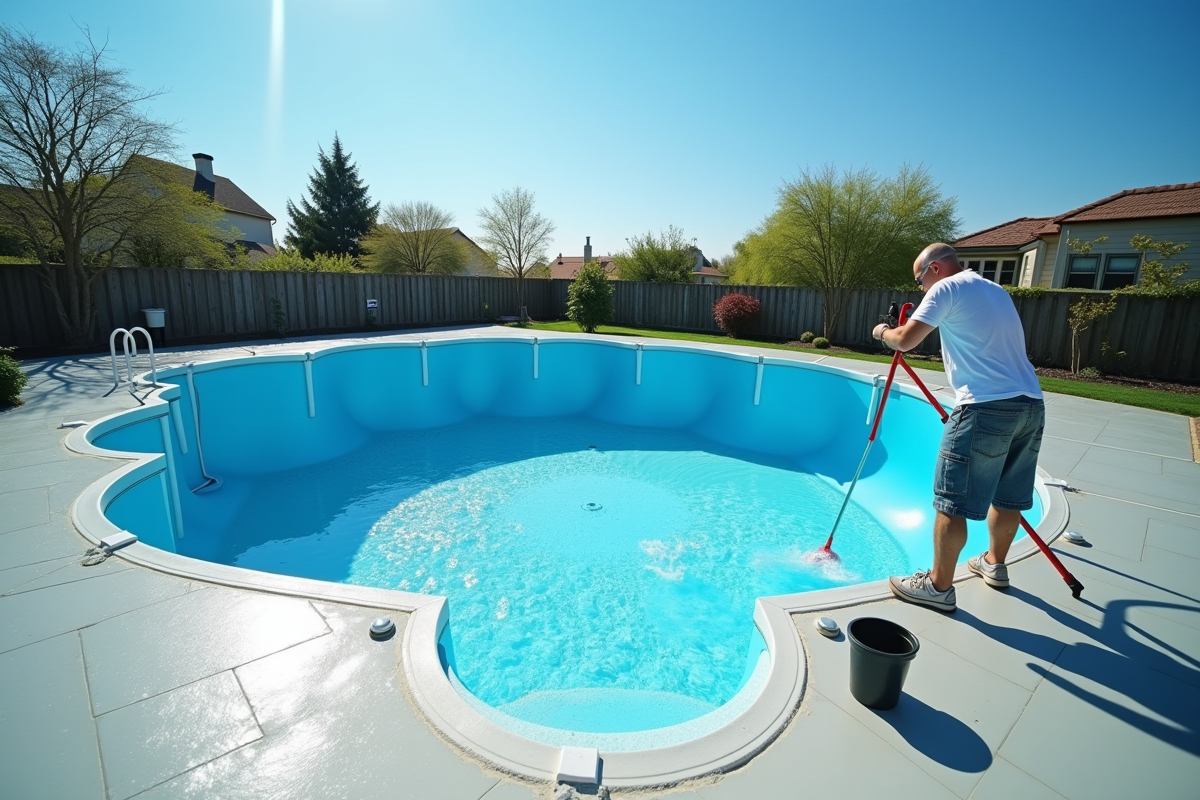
<point x="988" y="456"/>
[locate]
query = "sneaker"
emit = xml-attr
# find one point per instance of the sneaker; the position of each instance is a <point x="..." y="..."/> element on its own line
<point x="919" y="589"/>
<point x="994" y="575"/>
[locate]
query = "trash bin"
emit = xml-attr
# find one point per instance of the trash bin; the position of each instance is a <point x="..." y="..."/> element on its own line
<point x="880" y="652"/>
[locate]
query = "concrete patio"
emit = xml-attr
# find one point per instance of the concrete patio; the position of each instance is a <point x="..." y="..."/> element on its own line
<point x="117" y="681"/>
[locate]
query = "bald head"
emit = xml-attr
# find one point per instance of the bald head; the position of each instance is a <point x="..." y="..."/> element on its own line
<point x="936" y="261"/>
<point x="941" y="252"/>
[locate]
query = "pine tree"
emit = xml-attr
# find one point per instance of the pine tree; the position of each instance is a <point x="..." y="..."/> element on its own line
<point x="340" y="213"/>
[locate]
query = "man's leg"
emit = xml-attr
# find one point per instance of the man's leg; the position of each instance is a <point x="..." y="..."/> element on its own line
<point x="1002" y="529"/>
<point x="949" y="538"/>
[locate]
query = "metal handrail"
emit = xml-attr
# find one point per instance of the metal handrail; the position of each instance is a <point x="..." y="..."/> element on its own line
<point x="129" y="347"/>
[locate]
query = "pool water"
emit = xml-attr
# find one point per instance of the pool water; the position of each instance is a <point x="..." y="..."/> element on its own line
<point x="575" y="554"/>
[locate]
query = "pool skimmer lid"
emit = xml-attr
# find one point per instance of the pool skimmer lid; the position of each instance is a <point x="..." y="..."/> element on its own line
<point x="827" y="626"/>
<point x="592" y="506"/>
<point x="382" y="628"/>
<point x="1074" y="537"/>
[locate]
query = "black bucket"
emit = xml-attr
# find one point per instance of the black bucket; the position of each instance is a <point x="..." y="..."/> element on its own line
<point x="880" y="652"/>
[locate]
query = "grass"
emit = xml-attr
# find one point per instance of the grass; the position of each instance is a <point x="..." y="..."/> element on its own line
<point x="1186" y="404"/>
<point x="1172" y="403"/>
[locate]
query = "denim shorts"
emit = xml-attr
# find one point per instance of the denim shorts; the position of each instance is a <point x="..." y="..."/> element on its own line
<point x="989" y="457"/>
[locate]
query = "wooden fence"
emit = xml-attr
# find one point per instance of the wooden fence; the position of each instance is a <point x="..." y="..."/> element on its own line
<point x="1159" y="338"/>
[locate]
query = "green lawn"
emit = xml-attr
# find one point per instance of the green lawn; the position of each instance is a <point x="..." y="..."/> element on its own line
<point x="1173" y="403"/>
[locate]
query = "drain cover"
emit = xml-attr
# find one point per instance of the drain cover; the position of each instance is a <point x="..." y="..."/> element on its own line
<point x="592" y="506"/>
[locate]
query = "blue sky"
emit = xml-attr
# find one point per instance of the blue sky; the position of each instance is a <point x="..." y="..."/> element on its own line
<point x="624" y="117"/>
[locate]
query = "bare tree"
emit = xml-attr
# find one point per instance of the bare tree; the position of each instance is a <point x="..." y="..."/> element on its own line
<point x="414" y="238"/>
<point x="516" y="235"/>
<point x="71" y="132"/>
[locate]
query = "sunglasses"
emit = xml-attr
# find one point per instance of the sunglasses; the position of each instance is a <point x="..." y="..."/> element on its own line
<point x="921" y="276"/>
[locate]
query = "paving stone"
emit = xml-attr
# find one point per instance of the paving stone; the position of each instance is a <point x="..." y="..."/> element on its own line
<point x="32" y="616"/>
<point x="1188" y="469"/>
<point x="511" y="790"/>
<point x="48" y="542"/>
<point x="1101" y="726"/>
<point x="335" y="700"/>
<point x="951" y="717"/>
<point x="822" y="736"/>
<point x="41" y="475"/>
<point x="1148" y="441"/>
<point x="185" y="638"/>
<point x="1108" y="458"/>
<point x="24" y="509"/>
<point x="47" y="739"/>
<point x="70" y="570"/>
<point x="1005" y="782"/>
<point x="149" y="742"/>
<point x="1109" y="525"/>
<point x="13" y="579"/>
<point x="47" y="455"/>
<point x="1178" y="538"/>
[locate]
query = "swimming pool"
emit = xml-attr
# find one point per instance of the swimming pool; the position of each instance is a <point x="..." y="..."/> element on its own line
<point x="452" y="468"/>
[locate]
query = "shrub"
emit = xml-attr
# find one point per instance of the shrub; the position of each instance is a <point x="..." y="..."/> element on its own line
<point x="821" y="343"/>
<point x="1089" y="372"/>
<point x="291" y="261"/>
<point x="736" y="312"/>
<point x="807" y="337"/>
<point x="589" y="298"/>
<point x="12" y="379"/>
<point x="1025" y="291"/>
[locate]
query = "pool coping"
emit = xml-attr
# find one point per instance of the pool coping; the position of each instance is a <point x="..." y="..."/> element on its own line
<point x="720" y="750"/>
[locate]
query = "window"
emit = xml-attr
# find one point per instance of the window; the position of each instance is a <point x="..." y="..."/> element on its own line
<point x="971" y="265"/>
<point x="1081" y="272"/>
<point x="1007" y="268"/>
<point x="1120" y="270"/>
<point x="989" y="270"/>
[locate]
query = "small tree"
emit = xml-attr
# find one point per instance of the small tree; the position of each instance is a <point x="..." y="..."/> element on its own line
<point x="736" y="312"/>
<point x="666" y="258"/>
<point x="1156" y="278"/>
<point x="1082" y="247"/>
<point x="1082" y="314"/>
<point x="589" y="298"/>
<point x="340" y="213"/>
<point x="516" y="235"/>
<point x="414" y="238"/>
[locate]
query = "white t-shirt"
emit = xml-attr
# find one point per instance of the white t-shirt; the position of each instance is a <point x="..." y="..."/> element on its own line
<point x="983" y="343"/>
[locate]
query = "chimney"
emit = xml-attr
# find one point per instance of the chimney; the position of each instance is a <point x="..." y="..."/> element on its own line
<point x="204" y="166"/>
<point x="587" y="251"/>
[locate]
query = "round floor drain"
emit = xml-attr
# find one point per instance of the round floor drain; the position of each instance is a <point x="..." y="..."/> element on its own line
<point x="592" y="506"/>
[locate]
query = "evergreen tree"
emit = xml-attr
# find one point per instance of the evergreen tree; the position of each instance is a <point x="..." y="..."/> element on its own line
<point x="340" y="213"/>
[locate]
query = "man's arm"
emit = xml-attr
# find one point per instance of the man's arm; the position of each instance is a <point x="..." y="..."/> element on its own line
<point x="905" y="337"/>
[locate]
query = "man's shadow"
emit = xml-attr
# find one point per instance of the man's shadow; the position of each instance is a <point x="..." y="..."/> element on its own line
<point x="1116" y="661"/>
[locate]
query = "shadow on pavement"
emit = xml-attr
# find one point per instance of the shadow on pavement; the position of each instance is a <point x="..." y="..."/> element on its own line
<point x="1154" y="703"/>
<point x="938" y="735"/>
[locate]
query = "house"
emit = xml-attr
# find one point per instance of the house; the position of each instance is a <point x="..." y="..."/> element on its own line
<point x="251" y="220"/>
<point x="705" y="272"/>
<point x="1033" y="251"/>
<point x="568" y="266"/>
<point x="478" y="260"/>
